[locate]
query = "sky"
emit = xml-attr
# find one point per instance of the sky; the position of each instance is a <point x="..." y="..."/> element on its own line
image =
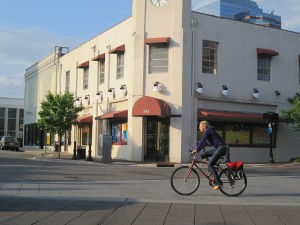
<point x="30" y="30"/>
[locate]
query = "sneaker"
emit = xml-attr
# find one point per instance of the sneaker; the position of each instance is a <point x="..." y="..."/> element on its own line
<point x="216" y="187"/>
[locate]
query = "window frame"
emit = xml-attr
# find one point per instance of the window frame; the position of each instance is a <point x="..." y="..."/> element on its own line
<point x="67" y="86"/>
<point x="85" y="82"/>
<point x="266" y="75"/>
<point x="101" y="73"/>
<point x="161" y="50"/>
<point x="120" y="65"/>
<point x="210" y="57"/>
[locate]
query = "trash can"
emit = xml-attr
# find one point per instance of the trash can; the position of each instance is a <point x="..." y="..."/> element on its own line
<point x="81" y="152"/>
<point x="56" y="146"/>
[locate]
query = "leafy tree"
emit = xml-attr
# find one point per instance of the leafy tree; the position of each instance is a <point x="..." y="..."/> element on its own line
<point x="293" y="115"/>
<point x="58" y="113"/>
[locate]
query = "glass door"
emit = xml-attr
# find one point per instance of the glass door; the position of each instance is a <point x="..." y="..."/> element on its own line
<point x="157" y="139"/>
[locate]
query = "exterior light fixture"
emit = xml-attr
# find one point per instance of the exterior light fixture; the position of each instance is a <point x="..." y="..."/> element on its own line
<point x="157" y="87"/>
<point x="87" y="99"/>
<point x="123" y="89"/>
<point x="225" y="90"/>
<point x="78" y="101"/>
<point x="255" y="93"/>
<point x="199" y="88"/>
<point x="99" y="95"/>
<point x="111" y="92"/>
<point x="277" y="93"/>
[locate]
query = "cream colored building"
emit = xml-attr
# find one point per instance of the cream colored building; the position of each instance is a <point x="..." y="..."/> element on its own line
<point x="154" y="61"/>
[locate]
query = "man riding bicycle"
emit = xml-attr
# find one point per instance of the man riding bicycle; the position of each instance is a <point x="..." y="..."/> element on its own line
<point x="210" y="136"/>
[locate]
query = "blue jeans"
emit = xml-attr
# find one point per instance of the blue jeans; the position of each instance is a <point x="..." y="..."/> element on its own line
<point x="215" y="154"/>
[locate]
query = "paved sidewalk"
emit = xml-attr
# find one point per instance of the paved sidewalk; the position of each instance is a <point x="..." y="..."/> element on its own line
<point x="37" y="211"/>
<point x="271" y="200"/>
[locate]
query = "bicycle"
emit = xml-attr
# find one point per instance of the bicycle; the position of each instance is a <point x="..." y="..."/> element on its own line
<point x="185" y="180"/>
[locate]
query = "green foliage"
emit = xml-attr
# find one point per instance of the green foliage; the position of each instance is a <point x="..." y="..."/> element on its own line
<point x="293" y="115"/>
<point x="295" y="160"/>
<point x="58" y="113"/>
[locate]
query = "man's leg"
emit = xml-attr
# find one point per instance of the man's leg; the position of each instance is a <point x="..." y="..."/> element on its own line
<point x="216" y="156"/>
<point x="205" y="154"/>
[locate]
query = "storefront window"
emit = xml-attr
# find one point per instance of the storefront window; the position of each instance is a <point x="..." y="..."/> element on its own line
<point x="261" y="136"/>
<point x="243" y="134"/>
<point x="119" y="133"/>
<point x="237" y="133"/>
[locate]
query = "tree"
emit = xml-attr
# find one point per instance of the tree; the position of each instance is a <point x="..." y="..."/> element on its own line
<point x="293" y="115"/>
<point x="58" y="113"/>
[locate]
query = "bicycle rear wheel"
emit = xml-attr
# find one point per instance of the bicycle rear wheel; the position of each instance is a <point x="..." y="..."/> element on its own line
<point x="232" y="184"/>
<point x="185" y="181"/>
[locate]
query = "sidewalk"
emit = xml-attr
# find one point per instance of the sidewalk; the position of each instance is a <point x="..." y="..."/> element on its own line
<point x="268" y="200"/>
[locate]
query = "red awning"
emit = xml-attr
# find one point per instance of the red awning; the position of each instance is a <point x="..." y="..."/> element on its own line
<point x="268" y="52"/>
<point x="230" y="116"/>
<point x="115" y="114"/>
<point x="99" y="57"/>
<point x="149" y="106"/>
<point x="117" y="50"/>
<point x="84" y="65"/>
<point x="85" y="119"/>
<point x="158" y="40"/>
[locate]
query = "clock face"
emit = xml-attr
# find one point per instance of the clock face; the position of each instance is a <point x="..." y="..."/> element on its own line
<point x="159" y="2"/>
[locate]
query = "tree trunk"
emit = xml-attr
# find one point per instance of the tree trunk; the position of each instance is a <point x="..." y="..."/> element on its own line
<point x="59" y="145"/>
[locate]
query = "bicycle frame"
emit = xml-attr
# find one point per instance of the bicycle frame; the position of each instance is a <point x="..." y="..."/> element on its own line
<point x="205" y="173"/>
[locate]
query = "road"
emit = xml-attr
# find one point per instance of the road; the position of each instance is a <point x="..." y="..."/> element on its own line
<point x="66" y="192"/>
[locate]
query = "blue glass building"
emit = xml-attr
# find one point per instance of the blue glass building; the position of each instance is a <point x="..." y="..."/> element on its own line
<point x="243" y="10"/>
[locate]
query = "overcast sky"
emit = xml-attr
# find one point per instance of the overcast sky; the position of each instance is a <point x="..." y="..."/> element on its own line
<point x="29" y="30"/>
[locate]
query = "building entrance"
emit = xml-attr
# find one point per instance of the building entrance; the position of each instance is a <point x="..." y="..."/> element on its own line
<point x="156" y="139"/>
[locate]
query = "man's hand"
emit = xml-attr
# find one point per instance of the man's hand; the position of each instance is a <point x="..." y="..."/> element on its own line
<point x="194" y="152"/>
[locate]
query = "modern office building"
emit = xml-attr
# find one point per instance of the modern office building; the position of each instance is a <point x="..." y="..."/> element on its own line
<point x="242" y="10"/>
<point x="146" y="83"/>
<point x="11" y="117"/>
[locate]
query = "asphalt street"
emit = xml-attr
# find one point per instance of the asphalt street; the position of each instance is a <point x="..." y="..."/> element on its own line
<point x="42" y="189"/>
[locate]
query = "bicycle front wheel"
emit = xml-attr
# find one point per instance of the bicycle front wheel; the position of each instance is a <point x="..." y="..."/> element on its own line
<point x="232" y="184"/>
<point x="185" y="181"/>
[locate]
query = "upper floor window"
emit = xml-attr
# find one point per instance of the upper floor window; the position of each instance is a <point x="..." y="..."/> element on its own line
<point x="85" y="78"/>
<point x="264" y="57"/>
<point x="210" y="57"/>
<point x="263" y="68"/>
<point x="120" y="65"/>
<point x="159" y="58"/>
<point x="68" y="81"/>
<point x="101" y="71"/>
<point x="12" y="115"/>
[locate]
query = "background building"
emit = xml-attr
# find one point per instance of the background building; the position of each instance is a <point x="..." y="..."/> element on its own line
<point x="243" y="10"/>
<point x="40" y="78"/>
<point x="11" y="117"/>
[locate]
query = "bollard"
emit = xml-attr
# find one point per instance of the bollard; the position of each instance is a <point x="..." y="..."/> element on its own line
<point x="74" y="152"/>
<point x="89" y="158"/>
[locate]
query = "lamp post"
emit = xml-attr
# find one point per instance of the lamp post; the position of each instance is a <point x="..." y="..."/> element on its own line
<point x="74" y="152"/>
<point x="270" y="132"/>
<point x="271" y="117"/>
